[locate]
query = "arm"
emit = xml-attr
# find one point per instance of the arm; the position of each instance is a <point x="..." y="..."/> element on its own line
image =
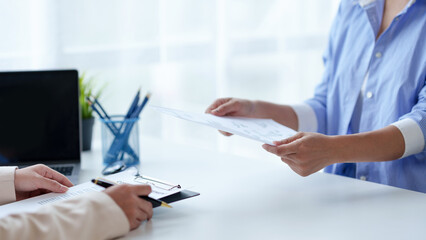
<point x="94" y="216"/>
<point x="18" y="184"/>
<point x="307" y="153"/>
<point x="283" y="114"/>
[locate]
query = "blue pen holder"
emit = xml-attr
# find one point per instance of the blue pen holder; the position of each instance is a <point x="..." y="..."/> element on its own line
<point x="120" y="140"/>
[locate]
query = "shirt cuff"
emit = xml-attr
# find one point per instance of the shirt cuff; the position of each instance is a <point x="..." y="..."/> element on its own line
<point x="306" y="117"/>
<point x="413" y="136"/>
<point x="7" y="185"/>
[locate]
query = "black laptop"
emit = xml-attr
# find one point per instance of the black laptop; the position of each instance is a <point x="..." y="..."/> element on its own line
<point x="40" y="120"/>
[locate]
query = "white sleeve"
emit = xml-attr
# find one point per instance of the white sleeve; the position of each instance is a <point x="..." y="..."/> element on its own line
<point x="413" y="136"/>
<point x="7" y="185"/>
<point x="306" y="117"/>
<point x="92" y="216"/>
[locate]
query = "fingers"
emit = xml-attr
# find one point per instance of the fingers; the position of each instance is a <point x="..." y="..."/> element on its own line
<point x="140" y="190"/>
<point x="282" y="150"/>
<point x="127" y="198"/>
<point x="145" y="207"/>
<point x="286" y="146"/>
<point x="141" y="209"/>
<point x="225" y="133"/>
<point x="290" y="139"/>
<point x="224" y="107"/>
<point x="49" y="184"/>
<point x="227" y="108"/>
<point x="141" y="212"/>
<point x="45" y="171"/>
<point x="216" y="104"/>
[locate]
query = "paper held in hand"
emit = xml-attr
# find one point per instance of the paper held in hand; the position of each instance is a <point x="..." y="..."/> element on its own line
<point x="262" y="130"/>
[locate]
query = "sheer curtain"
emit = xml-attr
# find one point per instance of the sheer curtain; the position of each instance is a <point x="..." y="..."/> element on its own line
<point x="186" y="52"/>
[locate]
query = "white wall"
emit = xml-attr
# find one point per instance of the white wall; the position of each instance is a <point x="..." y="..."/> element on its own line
<point x="186" y="52"/>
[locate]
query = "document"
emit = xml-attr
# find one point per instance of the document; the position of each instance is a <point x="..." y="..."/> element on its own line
<point x="262" y="130"/>
<point x="33" y="204"/>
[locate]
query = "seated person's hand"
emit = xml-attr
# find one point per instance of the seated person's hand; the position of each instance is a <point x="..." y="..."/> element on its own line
<point x="127" y="198"/>
<point x="39" y="179"/>
<point x="231" y="107"/>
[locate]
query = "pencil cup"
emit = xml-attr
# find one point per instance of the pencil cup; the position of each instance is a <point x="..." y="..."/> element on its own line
<point x="120" y="140"/>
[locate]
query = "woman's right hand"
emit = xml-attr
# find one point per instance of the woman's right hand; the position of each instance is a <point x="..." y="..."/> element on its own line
<point x="127" y="198"/>
<point x="231" y="107"/>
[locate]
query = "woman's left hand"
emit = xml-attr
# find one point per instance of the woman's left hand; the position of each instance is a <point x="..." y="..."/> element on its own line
<point x="305" y="153"/>
<point x="39" y="179"/>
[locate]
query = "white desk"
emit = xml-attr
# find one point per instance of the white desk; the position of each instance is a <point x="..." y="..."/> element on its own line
<point x="263" y="199"/>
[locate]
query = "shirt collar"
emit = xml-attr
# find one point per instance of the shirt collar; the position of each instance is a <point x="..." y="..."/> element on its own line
<point x="374" y="10"/>
<point x="365" y="3"/>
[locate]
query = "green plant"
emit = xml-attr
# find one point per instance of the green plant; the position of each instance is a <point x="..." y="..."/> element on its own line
<point x="87" y="88"/>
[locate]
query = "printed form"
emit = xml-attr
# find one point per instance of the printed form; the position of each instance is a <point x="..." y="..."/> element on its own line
<point x="262" y="130"/>
<point x="128" y="176"/>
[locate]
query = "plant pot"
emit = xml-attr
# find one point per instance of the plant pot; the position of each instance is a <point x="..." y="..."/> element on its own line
<point x="87" y="130"/>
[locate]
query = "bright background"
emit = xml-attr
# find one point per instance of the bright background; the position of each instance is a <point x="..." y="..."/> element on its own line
<point x="186" y="52"/>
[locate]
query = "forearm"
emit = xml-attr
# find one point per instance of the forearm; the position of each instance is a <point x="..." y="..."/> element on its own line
<point x="385" y="144"/>
<point x="283" y="114"/>
<point x="94" y="216"/>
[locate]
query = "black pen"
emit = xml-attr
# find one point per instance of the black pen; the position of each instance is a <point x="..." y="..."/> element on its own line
<point x="155" y="203"/>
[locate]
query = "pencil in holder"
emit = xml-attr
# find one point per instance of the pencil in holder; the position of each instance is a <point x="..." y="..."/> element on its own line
<point x="120" y="140"/>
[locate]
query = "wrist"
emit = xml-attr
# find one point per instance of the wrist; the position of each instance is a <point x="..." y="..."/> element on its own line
<point x="344" y="147"/>
<point x="253" y="106"/>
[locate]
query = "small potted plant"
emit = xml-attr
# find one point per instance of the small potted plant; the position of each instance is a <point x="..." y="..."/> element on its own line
<point x="87" y="89"/>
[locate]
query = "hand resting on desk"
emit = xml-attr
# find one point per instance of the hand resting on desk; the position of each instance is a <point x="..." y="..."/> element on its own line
<point x="39" y="179"/>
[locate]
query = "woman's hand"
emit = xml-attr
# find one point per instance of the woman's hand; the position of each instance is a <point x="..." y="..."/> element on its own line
<point x="127" y="198"/>
<point x="39" y="179"/>
<point x="231" y="107"/>
<point x="283" y="114"/>
<point x="305" y="153"/>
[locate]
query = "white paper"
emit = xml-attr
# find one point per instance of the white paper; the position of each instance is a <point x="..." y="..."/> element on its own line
<point x="158" y="190"/>
<point x="33" y="204"/>
<point x="262" y="130"/>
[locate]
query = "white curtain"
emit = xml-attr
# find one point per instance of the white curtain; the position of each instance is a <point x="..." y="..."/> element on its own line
<point x="186" y="52"/>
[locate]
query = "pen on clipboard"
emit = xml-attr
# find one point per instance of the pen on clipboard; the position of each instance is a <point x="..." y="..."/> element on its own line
<point x="154" y="202"/>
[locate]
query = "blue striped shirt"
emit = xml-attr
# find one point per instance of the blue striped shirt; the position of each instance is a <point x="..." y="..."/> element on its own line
<point x="394" y="91"/>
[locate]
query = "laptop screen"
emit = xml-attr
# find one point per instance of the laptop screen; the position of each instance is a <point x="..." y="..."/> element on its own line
<point x="40" y="117"/>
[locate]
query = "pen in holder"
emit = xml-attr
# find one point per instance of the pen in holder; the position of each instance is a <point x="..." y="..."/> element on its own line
<point x="120" y="134"/>
<point x="120" y="140"/>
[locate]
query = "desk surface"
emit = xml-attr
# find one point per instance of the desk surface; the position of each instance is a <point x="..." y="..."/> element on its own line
<point x="262" y="198"/>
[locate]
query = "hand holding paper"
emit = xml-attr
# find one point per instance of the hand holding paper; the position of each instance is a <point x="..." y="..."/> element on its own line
<point x="262" y="130"/>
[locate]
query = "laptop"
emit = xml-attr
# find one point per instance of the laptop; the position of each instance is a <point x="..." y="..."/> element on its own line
<point x="40" y="120"/>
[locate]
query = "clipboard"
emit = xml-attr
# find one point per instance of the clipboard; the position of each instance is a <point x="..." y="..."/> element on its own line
<point x="133" y="176"/>
<point x="184" y="194"/>
<point x="181" y="195"/>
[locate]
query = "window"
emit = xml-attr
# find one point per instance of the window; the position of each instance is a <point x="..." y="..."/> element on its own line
<point x="186" y="52"/>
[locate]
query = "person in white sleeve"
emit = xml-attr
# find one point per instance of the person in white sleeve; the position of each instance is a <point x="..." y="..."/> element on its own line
<point x="99" y="215"/>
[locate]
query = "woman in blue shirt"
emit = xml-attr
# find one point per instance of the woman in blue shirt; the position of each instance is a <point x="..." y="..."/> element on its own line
<point x="369" y="111"/>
